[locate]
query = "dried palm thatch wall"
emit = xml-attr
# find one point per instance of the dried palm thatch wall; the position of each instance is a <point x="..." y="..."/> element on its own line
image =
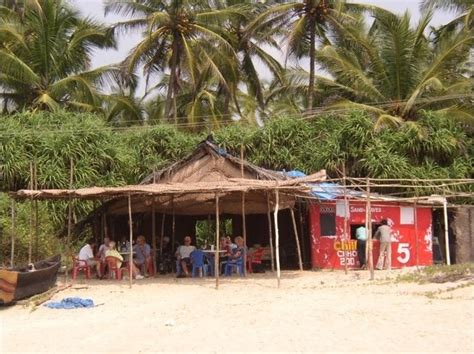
<point x="463" y="229"/>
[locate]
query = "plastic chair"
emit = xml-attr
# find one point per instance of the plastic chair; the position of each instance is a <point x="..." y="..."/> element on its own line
<point x="113" y="268"/>
<point x="236" y="263"/>
<point x="197" y="260"/>
<point x="78" y="265"/>
<point x="255" y="258"/>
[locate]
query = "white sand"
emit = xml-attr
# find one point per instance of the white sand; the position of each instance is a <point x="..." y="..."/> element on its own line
<point x="312" y="311"/>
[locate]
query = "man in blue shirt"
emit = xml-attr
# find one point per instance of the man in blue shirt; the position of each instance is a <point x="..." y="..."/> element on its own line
<point x="361" y="235"/>
<point x="142" y="257"/>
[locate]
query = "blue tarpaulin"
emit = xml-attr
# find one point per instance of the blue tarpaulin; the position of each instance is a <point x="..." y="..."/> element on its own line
<point x="70" y="303"/>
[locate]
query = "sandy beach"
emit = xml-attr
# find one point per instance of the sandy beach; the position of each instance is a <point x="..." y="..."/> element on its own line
<point x="311" y="312"/>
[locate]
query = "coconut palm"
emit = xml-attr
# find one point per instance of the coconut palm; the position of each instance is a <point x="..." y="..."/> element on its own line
<point x="394" y="70"/>
<point x="301" y="24"/>
<point x="45" y="55"/>
<point x="182" y="38"/>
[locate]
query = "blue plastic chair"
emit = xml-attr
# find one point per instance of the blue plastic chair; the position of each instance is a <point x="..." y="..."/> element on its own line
<point x="236" y="263"/>
<point x="210" y="264"/>
<point x="197" y="260"/>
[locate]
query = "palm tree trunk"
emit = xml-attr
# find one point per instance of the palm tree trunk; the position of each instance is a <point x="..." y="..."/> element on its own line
<point x="172" y="87"/>
<point x="311" y="65"/>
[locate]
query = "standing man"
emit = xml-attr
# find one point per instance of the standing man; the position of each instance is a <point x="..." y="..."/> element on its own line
<point x="384" y="234"/>
<point x="361" y="235"/>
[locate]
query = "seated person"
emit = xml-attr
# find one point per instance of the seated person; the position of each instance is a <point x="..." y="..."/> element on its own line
<point x="103" y="249"/>
<point x="230" y="245"/>
<point x="112" y="252"/>
<point x="142" y="256"/>
<point x="87" y="254"/>
<point x="235" y="253"/>
<point x="183" y="255"/>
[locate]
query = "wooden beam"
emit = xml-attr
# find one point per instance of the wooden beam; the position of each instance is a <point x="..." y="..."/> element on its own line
<point x="163" y="216"/>
<point x="270" y="235"/>
<point x="69" y="218"/>
<point x="346" y="209"/>
<point x="369" y="233"/>
<point x="130" y="250"/>
<point x="32" y="225"/>
<point x="446" y="231"/>
<point x="12" y="254"/>
<point x="295" y="229"/>
<point x="216" y="254"/>
<point x="173" y="226"/>
<point x="153" y="235"/>
<point x="277" y="236"/>
<point x="244" y="231"/>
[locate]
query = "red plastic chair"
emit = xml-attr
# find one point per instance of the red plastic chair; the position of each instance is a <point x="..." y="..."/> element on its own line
<point x="78" y="265"/>
<point x="255" y="258"/>
<point x="113" y="267"/>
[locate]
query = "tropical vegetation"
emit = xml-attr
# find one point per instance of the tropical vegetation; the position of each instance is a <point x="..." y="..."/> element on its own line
<point x="306" y="85"/>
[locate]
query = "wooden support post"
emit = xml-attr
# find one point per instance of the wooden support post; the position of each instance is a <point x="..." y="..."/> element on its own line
<point x="416" y="232"/>
<point x="163" y="216"/>
<point x="302" y="233"/>
<point x="295" y="229"/>
<point x="69" y="219"/>
<point x="277" y="236"/>
<point x="346" y="209"/>
<point x="153" y="235"/>
<point x="12" y="254"/>
<point x="173" y="226"/>
<point x="35" y="181"/>
<point x="446" y="231"/>
<point x="270" y="233"/>
<point x="369" y="232"/>
<point x="106" y="227"/>
<point x="216" y="254"/>
<point x="130" y="250"/>
<point x="244" y="231"/>
<point x="32" y="224"/>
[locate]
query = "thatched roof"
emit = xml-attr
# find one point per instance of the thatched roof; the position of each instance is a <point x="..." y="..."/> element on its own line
<point x="189" y="187"/>
<point x="210" y="163"/>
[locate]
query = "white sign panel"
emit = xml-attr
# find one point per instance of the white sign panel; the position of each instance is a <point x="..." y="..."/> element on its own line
<point x="407" y="215"/>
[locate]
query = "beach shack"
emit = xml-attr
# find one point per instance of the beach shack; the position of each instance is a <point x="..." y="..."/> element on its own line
<point x="334" y="245"/>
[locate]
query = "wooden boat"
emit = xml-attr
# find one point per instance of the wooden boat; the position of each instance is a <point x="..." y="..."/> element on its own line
<point x="20" y="283"/>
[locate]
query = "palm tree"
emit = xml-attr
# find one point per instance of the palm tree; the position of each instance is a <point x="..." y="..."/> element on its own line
<point x="183" y="38"/>
<point x="45" y="57"/>
<point x="394" y="70"/>
<point x="301" y="24"/>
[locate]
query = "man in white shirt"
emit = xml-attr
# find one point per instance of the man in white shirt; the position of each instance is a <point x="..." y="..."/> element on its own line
<point x="87" y="254"/>
<point x="183" y="254"/>
<point x="103" y="249"/>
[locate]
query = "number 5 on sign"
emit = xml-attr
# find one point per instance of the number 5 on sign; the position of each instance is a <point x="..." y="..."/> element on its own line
<point x="404" y="252"/>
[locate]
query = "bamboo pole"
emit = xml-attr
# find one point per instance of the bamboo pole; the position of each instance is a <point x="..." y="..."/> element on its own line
<point x="163" y="216"/>
<point x="173" y="230"/>
<point x="345" y="217"/>
<point x="277" y="236"/>
<point x="300" y="261"/>
<point x="244" y="231"/>
<point x="130" y="250"/>
<point x="446" y="231"/>
<point x="12" y="255"/>
<point x="32" y="225"/>
<point x="416" y="232"/>
<point x="369" y="234"/>
<point x="270" y="236"/>
<point x="69" y="218"/>
<point x="153" y="235"/>
<point x="106" y="228"/>
<point x="302" y="233"/>
<point x="216" y="253"/>
<point x="35" y="180"/>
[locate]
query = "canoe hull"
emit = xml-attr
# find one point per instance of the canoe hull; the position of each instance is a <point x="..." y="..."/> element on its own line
<point x="19" y="284"/>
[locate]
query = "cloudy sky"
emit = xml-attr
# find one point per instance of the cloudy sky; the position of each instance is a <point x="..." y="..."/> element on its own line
<point x="95" y="9"/>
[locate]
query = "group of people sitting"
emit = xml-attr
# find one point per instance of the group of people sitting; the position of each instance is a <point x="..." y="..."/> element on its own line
<point x="231" y="253"/>
<point x="142" y="257"/>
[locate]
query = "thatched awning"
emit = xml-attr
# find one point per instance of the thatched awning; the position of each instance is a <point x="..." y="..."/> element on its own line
<point x="187" y="198"/>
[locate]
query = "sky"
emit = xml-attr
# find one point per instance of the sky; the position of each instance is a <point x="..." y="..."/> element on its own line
<point x="95" y="9"/>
